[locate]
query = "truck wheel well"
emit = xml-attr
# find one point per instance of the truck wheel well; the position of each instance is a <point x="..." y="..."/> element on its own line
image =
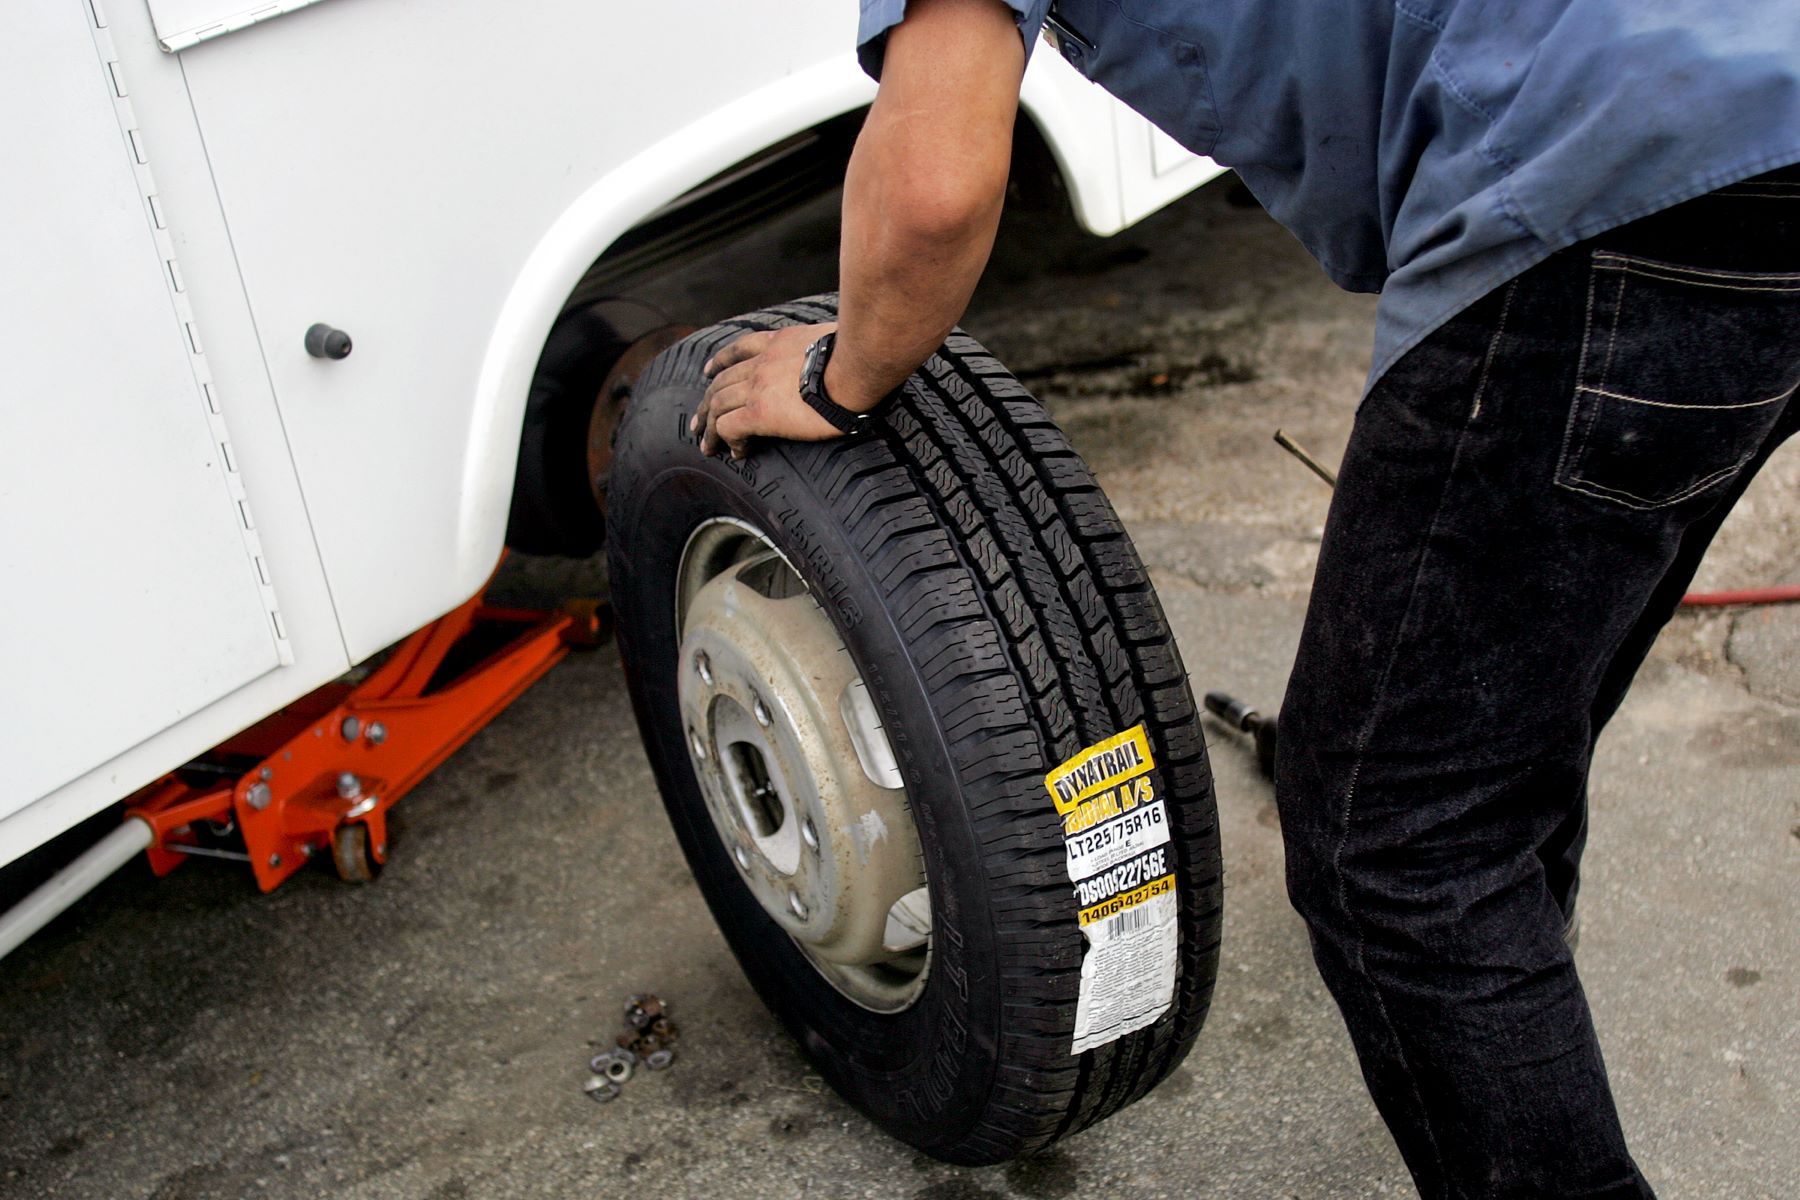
<point x="755" y="233"/>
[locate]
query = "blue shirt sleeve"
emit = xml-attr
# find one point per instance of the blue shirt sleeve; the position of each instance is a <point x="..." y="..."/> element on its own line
<point x="879" y="16"/>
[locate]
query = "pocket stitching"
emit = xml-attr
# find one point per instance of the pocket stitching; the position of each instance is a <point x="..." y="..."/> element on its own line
<point x="1691" y="282"/>
<point x="1568" y="476"/>
<point x="1606" y="260"/>
<point x="1775" y="399"/>
<point x="1587" y="333"/>
<point x="1612" y="337"/>
<point x="1630" y="500"/>
<point x="1578" y="449"/>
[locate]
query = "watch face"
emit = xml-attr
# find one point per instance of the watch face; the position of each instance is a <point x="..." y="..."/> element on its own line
<point x="812" y="376"/>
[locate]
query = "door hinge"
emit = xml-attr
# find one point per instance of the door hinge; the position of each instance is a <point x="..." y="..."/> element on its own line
<point x="157" y="218"/>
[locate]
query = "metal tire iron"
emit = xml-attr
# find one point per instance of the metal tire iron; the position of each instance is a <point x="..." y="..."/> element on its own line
<point x="1238" y="714"/>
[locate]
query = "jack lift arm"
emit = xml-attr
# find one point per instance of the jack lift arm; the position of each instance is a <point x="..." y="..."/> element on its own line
<point x="321" y="774"/>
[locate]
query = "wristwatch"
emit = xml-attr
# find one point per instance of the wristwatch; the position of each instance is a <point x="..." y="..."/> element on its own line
<point x="812" y="390"/>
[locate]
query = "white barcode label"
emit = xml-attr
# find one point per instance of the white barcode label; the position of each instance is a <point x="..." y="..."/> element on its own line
<point x="1128" y="922"/>
<point x="1128" y="972"/>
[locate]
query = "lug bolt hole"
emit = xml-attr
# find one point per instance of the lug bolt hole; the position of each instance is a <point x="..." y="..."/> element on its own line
<point x="743" y="860"/>
<point x="809" y="835"/>
<point x="798" y="905"/>
<point x="761" y="712"/>
<point x="698" y="744"/>
<point x="703" y="665"/>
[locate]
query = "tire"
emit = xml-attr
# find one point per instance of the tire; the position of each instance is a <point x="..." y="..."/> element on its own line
<point x="1001" y="621"/>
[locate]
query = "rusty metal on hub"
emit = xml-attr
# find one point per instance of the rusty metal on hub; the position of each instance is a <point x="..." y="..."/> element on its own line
<point x="615" y="394"/>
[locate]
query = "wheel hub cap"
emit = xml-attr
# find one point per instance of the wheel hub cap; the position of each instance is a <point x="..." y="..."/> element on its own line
<point x="798" y="777"/>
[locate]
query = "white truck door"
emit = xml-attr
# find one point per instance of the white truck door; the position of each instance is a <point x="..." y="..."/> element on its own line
<point x="134" y="592"/>
<point x="389" y="169"/>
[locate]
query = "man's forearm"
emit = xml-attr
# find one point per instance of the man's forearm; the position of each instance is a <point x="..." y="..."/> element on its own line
<point x="923" y="195"/>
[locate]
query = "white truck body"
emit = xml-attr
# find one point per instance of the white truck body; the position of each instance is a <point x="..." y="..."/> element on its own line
<point x="199" y="522"/>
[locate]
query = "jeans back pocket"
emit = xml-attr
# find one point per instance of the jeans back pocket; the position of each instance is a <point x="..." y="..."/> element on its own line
<point x="1684" y="373"/>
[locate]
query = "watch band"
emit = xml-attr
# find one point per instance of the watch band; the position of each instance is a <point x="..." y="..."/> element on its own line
<point x="812" y="390"/>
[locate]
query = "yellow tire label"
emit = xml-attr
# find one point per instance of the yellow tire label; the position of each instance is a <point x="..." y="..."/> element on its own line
<point x="1101" y="766"/>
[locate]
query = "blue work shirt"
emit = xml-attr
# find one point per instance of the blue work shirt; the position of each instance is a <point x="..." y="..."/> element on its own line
<point x="1431" y="150"/>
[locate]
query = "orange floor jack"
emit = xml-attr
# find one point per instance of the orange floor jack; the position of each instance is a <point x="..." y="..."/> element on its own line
<point x="319" y="776"/>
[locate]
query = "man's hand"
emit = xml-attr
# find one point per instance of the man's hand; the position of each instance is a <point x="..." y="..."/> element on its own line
<point x="921" y="202"/>
<point x="755" y="392"/>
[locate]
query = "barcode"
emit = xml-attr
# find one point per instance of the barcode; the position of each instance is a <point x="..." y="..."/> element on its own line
<point x="1127" y="922"/>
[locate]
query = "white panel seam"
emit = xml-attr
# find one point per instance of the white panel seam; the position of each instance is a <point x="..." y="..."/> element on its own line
<point x="184" y="315"/>
<point x="183" y="38"/>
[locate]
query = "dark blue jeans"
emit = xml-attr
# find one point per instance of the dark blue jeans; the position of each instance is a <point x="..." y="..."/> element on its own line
<point x="1524" y="500"/>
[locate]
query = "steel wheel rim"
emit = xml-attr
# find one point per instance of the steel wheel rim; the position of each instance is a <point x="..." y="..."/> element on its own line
<point x="799" y="780"/>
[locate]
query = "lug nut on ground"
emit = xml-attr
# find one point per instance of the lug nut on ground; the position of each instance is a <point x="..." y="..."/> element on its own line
<point x="647" y="1041"/>
<point x="616" y="1065"/>
<point x="641" y="1011"/>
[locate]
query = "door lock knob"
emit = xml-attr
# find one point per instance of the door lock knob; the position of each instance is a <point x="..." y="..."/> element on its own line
<point x="322" y="341"/>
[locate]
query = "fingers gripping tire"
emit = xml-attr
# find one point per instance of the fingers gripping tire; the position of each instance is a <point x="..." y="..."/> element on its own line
<point x="998" y="621"/>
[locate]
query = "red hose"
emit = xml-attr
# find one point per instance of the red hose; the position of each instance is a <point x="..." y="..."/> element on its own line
<point x="1772" y="595"/>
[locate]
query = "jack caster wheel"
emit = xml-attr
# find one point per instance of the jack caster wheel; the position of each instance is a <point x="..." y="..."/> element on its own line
<point x="352" y="854"/>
